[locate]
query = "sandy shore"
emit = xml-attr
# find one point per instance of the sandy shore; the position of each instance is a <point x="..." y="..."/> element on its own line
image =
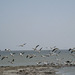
<point x="29" y="70"/>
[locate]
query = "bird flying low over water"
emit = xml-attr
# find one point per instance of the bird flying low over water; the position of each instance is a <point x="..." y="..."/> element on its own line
<point x="22" y="45"/>
<point x="54" y="48"/>
<point x="12" y="54"/>
<point x="4" y="57"/>
<point x="7" y="49"/>
<point x="35" y="47"/>
<point x="40" y="49"/>
<point x="21" y="53"/>
<point x="11" y="61"/>
<point x="72" y="51"/>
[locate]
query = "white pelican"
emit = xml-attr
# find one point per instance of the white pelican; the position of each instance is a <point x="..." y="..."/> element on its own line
<point x="35" y="47"/>
<point x="22" y="45"/>
<point x="11" y="61"/>
<point x="4" y="57"/>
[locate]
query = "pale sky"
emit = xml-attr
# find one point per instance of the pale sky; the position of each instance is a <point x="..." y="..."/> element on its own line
<point x="45" y="22"/>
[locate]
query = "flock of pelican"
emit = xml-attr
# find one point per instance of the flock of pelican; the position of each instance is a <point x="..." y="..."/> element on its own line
<point x="53" y="51"/>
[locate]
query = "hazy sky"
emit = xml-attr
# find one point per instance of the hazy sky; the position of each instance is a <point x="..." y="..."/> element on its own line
<point x="44" y="22"/>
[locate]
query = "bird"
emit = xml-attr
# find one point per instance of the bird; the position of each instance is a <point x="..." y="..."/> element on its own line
<point x="38" y="62"/>
<point x="68" y="62"/>
<point x="4" y="57"/>
<point x="35" y="47"/>
<point x="12" y="54"/>
<point x="21" y="53"/>
<point x="22" y="45"/>
<point x="72" y="51"/>
<point x="55" y="49"/>
<point x="30" y="56"/>
<point x="11" y="61"/>
<point x="7" y="49"/>
<point x="40" y="49"/>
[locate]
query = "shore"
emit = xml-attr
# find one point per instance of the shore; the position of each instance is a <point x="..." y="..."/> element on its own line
<point x="30" y="70"/>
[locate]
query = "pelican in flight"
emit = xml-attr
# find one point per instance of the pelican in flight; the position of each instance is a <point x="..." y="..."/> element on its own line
<point x="72" y="51"/>
<point x="40" y="49"/>
<point x="55" y="49"/>
<point x="21" y="53"/>
<point x="7" y="49"/>
<point x="4" y="57"/>
<point x="11" y="61"/>
<point x="12" y="54"/>
<point x="22" y="45"/>
<point x="35" y="47"/>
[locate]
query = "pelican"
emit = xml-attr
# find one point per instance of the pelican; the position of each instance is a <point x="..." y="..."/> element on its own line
<point x="30" y="56"/>
<point x="4" y="57"/>
<point x="11" y="61"/>
<point x="72" y="51"/>
<point x="7" y="49"/>
<point x="55" y="49"/>
<point x="12" y="54"/>
<point x="38" y="62"/>
<point x="22" y="45"/>
<point x="68" y="62"/>
<point x="35" y="47"/>
<point x="21" y="53"/>
<point x="40" y="49"/>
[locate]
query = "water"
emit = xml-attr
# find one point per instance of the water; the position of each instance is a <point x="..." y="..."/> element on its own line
<point x="43" y="56"/>
<point x="66" y="71"/>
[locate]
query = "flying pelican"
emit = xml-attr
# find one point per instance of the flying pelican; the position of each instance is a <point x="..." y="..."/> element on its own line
<point x="40" y="49"/>
<point x="55" y="49"/>
<point x="22" y="45"/>
<point x="21" y="53"/>
<point x="35" y="47"/>
<point x="12" y="54"/>
<point x="7" y="49"/>
<point x="11" y="61"/>
<point x="4" y="57"/>
<point x="72" y="51"/>
<point x="30" y="56"/>
<point x="38" y="62"/>
<point x="68" y="62"/>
